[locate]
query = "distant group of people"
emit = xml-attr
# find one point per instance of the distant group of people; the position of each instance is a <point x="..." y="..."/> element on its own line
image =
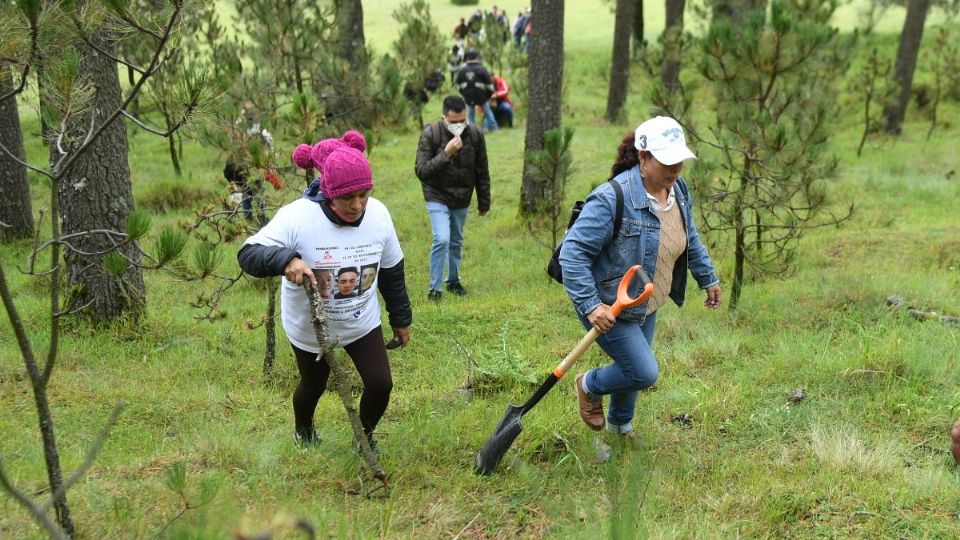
<point x="481" y="89"/>
<point x="342" y="239"/>
<point x="471" y="31"/>
<point x="485" y="91"/>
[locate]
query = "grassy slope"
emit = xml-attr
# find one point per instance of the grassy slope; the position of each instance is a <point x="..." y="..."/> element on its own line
<point x="863" y="455"/>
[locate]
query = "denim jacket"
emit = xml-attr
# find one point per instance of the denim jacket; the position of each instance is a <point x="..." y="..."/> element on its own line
<point x="594" y="262"/>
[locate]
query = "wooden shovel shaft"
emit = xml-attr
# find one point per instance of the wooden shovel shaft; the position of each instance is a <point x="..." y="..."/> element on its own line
<point x="576" y="353"/>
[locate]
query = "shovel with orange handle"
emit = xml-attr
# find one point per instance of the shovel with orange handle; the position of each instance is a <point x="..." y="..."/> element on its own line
<point x="509" y="427"/>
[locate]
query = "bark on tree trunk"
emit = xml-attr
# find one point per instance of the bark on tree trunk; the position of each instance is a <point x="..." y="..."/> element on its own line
<point x="96" y="194"/>
<point x="907" y="53"/>
<point x="353" y="46"/>
<point x="620" y="66"/>
<point x="545" y="83"/>
<point x="673" y="35"/>
<point x="638" y="40"/>
<point x="15" y="209"/>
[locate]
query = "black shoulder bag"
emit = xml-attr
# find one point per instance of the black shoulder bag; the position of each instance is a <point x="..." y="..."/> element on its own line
<point x="554" y="269"/>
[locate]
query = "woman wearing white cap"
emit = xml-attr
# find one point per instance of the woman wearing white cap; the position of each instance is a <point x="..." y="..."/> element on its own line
<point x="657" y="231"/>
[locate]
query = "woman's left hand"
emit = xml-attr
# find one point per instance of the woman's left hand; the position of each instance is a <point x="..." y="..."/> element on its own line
<point x="713" y="297"/>
<point x="402" y="335"/>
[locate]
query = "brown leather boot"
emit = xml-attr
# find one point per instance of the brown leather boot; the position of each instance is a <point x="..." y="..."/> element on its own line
<point x="591" y="409"/>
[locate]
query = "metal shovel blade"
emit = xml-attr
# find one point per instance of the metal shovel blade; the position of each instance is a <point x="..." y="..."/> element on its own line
<point x="499" y="442"/>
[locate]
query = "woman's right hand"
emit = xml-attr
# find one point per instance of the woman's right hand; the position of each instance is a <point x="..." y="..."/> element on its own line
<point x="602" y="318"/>
<point x="296" y="269"/>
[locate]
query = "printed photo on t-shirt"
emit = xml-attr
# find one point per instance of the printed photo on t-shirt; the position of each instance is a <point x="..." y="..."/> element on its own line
<point x="368" y="274"/>
<point x="347" y="278"/>
<point x="324" y="282"/>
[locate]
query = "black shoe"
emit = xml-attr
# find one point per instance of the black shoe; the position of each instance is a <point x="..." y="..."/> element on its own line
<point x="303" y="441"/>
<point x="434" y="296"/>
<point x="456" y="288"/>
<point x="373" y="445"/>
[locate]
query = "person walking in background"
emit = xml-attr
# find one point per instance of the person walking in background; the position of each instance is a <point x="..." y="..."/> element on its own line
<point x="249" y="137"/>
<point x="527" y="31"/>
<point x="500" y="102"/>
<point x="460" y="31"/>
<point x="455" y="62"/>
<point x="451" y="163"/>
<point x="475" y="25"/>
<point x="518" y="25"/>
<point x="658" y="232"/>
<point x="476" y="86"/>
<point x="335" y="226"/>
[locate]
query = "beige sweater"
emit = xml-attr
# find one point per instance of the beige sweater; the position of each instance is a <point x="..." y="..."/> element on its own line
<point x="673" y="242"/>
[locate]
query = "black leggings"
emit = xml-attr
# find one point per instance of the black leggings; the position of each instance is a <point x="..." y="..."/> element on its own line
<point x="369" y="355"/>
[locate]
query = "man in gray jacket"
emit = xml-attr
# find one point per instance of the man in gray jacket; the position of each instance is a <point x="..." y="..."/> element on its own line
<point x="451" y="164"/>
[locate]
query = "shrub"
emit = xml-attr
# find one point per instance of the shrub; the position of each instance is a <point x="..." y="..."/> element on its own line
<point x="163" y="196"/>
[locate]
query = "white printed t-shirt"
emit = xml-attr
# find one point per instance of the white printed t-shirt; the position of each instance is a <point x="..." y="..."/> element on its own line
<point x="354" y="254"/>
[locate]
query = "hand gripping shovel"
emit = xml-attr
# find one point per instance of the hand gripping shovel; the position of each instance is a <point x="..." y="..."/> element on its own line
<point x="509" y="427"/>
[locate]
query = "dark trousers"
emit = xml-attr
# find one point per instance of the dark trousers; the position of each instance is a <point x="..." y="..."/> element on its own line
<point x="369" y="355"/>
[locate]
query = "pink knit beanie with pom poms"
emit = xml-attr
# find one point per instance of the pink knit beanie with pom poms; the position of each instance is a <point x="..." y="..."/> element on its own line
<point x="306" y="156"/>
<point x="302" y="156"/>
<point x="322" y="149"/>
<point x="345" y="170"/>
<point x="355" y="139"/>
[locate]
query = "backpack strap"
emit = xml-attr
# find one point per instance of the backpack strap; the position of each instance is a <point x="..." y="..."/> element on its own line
<point x="618" y="217"/>
<point x="474" y="131"/>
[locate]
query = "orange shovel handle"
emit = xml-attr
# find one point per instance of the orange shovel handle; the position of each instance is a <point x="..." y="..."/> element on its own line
<point x="623" y="301"/>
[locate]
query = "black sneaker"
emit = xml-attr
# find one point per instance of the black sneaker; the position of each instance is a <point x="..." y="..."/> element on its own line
<point x="373" y="445"/>
<point x="434" y="296"/>
<point x="303" y="441"/>
<point x="456" y="288"/>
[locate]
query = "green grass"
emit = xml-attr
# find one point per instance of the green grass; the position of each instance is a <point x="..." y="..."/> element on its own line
<point x="863" y="455"/>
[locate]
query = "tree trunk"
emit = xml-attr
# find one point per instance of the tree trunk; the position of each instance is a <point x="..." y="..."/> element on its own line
<point x="353" y="45"/>
<point x="672" y="41"/>
<point x="15" y="210"/>
<point x="620" y="66"/>
<point x="638" y="40"/>
<point x="545" y="83"/>
<point x="96" y="194"/>
<point x="907" y="54"/>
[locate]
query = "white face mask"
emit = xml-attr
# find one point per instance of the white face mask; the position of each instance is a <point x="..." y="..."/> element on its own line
<point x="456" y="129"/>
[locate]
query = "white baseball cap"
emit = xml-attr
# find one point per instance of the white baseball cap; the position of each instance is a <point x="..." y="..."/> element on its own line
<point x="663" y="137"/>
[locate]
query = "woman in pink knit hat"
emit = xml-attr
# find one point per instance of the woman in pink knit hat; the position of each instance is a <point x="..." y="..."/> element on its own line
<point x="335" y="226"/>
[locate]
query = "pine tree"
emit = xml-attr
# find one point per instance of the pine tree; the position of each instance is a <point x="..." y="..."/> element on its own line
<point x="775" y="80"/>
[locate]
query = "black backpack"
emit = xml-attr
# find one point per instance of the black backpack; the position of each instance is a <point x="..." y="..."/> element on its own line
<point x="554" y="269"/>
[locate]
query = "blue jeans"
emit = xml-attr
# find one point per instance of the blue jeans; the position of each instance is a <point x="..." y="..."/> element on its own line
<point x="489" y="122"/>
<point x="447" y="224"/>
<point x="634" y="368"/>
<point x="503" y="113"/>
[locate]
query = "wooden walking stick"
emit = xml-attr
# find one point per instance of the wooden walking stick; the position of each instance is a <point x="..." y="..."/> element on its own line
<point x="318" y="316"/>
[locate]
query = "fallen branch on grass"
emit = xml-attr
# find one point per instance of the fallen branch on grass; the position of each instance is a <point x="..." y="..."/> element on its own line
<point x="899" y="302"/>
<point x="318" y="316"/>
